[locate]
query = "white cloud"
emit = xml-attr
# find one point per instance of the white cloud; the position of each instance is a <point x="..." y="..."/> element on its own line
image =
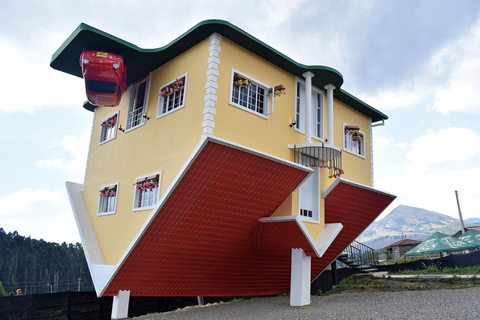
<point x="31" y="83"/>
<point x="460" y="61"/>
<point x="433" y="191"/>
<point x="77" y="150"/>
<point x="442" y="150"/>
<point x="26" y="200"/>
<point x="449" y="79"/>
<point x="381" y="143"/>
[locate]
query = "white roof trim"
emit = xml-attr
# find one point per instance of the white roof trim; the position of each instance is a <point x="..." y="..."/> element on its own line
<point x="91" y="248"/>
<point x="338" y="180"/>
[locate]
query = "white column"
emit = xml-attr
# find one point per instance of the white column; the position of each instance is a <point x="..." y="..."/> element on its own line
<point x="120" y="305"/>
<point x="330" y="88"/>
<point x="308" y="106"/>
<point x="300" y="278"/>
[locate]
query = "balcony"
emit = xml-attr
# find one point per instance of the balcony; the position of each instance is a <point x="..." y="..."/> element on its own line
<point x="319" y="154"/>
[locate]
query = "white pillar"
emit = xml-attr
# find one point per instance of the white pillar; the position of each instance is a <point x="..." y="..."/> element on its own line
<point x="330" y="88"/>
<point x="300" y="278"/>
<point x="120" y="305"/>
<point x="308" y="106"/>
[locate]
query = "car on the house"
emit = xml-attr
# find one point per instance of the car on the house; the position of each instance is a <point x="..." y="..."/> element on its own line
<point x="105" y="77"/>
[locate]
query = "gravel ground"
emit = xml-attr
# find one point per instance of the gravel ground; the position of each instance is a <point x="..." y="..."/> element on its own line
<point x="429" y="304"/>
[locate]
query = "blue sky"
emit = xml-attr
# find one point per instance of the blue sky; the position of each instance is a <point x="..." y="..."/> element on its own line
<point x="416" y="61"/>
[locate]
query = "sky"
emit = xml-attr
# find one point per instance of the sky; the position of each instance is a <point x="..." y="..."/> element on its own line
<point x="416" y="61"/>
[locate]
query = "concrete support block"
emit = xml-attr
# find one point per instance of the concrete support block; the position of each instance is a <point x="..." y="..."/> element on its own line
<point x="120" y="305"/>
<point x="300" y="278"/>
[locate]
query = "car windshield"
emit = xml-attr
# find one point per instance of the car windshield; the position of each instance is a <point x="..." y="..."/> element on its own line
<point x="101" y="86"/>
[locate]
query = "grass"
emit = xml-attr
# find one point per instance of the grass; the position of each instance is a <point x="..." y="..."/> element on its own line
<point x="370" y="283"/>
<point x="447" y="270"/>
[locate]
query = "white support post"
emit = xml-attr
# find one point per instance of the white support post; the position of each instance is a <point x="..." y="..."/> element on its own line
<point x="300" y="278"/>
<point x="120" y="305"/>
<point x="308" y="106"/>
<point x="330" y="88"/>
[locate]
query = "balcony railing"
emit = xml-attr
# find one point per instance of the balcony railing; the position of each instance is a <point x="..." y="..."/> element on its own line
<point x="319" y="154"/>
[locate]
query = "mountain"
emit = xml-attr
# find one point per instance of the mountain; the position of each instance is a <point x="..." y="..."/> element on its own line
<point x="473" y="221"/>
<point x="407" y="222"/>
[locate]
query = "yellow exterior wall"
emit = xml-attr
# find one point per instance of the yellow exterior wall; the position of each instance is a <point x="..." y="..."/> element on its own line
<point x="357" y="169"/>
<point x="273" y="135"/>
<point x="162" y="144"/>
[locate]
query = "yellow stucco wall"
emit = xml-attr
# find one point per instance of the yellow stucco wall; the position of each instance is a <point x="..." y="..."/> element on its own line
<point x="162" y="144"/>
<point x="273" y="135"/>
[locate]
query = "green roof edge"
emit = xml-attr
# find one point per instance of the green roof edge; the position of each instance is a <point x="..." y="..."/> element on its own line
<point x="239" y="36"/>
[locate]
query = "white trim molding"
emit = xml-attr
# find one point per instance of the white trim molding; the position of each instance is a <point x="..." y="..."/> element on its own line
<point x="211" y="84"/>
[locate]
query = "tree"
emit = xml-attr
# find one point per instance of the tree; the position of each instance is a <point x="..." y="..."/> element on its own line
<point x="3" y="293"/>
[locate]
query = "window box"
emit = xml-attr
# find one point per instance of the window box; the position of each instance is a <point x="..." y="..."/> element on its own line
<point x="107" y="203"/>
<point x="353" y="140"/>
<point x="147" y="191"/>
<point x="248" y="94"/>
<point x="172" y="96"/>
<point x="108" y="128"/>
<point x="138" y="104"/>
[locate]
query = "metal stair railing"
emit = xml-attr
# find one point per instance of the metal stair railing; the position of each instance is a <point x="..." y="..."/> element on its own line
<point x="358" y="255"/>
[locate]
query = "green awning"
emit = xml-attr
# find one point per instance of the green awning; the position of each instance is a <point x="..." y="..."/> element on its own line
<point x="440" y="242"/>
<point x="471" y="236"/>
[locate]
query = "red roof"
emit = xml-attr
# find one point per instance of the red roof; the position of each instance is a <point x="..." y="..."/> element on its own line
<point x="203" y="240"/>
<point x="404" y="242"/>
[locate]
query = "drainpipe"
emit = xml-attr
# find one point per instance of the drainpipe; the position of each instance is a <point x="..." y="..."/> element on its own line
<point x="308" y="106"/>
<point x="330" y="88"/>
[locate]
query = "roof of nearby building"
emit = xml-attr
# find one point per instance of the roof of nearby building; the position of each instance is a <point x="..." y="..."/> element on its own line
<point x="459" y="232"/>
<point x="141" y="61"/>
<point x="404" y="242"/>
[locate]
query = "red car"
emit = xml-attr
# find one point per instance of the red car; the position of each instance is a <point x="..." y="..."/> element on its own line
<point x="105" y="77"/>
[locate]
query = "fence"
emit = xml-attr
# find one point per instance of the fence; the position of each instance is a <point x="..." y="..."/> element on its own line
<point x="87" y="306"/>
<point x="456" y="260"/>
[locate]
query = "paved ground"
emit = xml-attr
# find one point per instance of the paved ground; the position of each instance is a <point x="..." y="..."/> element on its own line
<point x="434" y="304"/>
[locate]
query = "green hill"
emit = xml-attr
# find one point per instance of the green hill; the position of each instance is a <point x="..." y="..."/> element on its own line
<point x="407" y="222"/>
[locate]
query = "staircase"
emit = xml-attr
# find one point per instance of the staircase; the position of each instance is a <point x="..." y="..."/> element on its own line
<point x="358" y="255"/>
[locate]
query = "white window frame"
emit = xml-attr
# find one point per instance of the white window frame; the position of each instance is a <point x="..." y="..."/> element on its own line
<point x="315" y="193"/>
<point x="351" y="146"/>
<point x="109" y="201"/>
<point x="154" y="192"/>
<point x="318" y="107"/>
<point x="256" y="83"/>
<point x="163" y="99"/>
<point x="139" y="112"/>
<point x="110" y="133"/>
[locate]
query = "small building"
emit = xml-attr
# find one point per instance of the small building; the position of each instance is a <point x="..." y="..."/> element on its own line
<point x="227" y="169"/>
<point x="459" y="232"/>
<point x="397" y="249"/>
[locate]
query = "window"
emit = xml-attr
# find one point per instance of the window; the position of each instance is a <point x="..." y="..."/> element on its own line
<point x="108" y="199"/>
<point x="172" y="96"/>
<point x="248" y="94"/>
<point x="308" y="197"/>
<point x="138" y="104"/>
<point x="316" y="114"/>
<point x="147" y="191"/>
<point x="353" y="140"/>
<point x="109" y="128"/>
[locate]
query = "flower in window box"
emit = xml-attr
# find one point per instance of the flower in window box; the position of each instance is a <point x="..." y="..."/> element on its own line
<point x="176" y="86"/>
<point x="108" y="192"/>
<point x="147" y="184"/>
<point x="110" y="123"/>
<point x="241" y="82"/>
<point x="357" y="136"/>
<point x="278" y="91"/>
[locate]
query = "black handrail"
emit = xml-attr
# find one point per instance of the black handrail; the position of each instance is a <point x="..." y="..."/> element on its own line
<point x="358" y="255"/>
